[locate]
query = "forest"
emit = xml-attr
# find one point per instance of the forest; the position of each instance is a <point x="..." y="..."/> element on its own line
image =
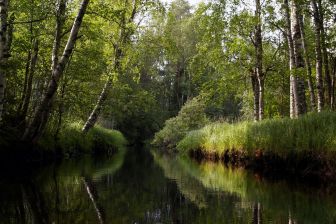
<point x="212" y="79"/>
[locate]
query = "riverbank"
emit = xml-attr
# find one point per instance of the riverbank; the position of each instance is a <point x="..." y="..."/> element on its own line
<point x="301" y="147"/>
<point x="69" y="142"/>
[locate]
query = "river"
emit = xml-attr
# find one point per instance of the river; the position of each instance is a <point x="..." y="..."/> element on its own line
<point x="139" y="186"/>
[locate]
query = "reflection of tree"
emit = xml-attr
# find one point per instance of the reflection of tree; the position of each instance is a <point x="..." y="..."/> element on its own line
<point x="140" y="193"/>
<point x="92" y="193"/>
<point x="23" y="203"/>
<point x="57" y="194"/>
<point x="243" y="197"/>
<point x="188" y="186"/>
<point x="257" y="218"/>
<point x="36" y="201"/>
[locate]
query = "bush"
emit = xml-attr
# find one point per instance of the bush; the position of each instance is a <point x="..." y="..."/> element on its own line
<point x="190" y="117"/>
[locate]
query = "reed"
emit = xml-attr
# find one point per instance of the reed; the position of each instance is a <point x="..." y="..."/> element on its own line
<point x="314" y="132"/>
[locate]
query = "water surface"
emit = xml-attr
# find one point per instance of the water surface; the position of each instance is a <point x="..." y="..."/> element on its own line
<point x="136" y="186"/>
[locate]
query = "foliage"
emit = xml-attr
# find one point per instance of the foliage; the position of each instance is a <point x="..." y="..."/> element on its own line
<point x="313" y="132"/>
<point x="190" y="117"/>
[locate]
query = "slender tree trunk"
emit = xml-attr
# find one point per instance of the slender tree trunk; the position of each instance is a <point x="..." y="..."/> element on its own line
<point x="293" y="107"/>
<point x="3" y="43"/>
<point x="324" y="53"/>
<point x="255" y="88"/>
<point x="60" y="19"/>
<point x="35" y="129"/>
<point x="259" y="58"/>
<point x="299" y="62"/>
<point x="61" y="102"/>
<point x="293" y="92"/>
<point x="307" y="65"/>
<point x="318" y="53"/>
<point x="104" y="93"/>
<point x="97" y="109"/>
<point x="27" y="98"/>
<point x="25" y="83"/>
<point x="333" y="62"/>
<point x="124" y="38"/>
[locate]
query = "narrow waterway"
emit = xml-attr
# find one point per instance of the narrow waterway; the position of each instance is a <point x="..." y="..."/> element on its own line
<point x="137" y="186"/>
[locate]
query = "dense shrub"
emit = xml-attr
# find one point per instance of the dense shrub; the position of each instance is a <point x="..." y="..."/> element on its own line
<point x="190" y="117"/>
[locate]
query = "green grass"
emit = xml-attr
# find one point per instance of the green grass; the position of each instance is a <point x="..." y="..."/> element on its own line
<point x="71" y="139"/>
<point x="313" y="132"/>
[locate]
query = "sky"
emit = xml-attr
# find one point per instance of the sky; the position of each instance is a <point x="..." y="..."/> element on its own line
<point x="192" y="2"/>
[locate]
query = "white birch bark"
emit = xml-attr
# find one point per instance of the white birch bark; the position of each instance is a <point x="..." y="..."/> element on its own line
<point x="35" y="128"/>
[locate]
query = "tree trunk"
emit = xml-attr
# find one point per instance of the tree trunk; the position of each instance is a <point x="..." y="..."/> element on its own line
<point x="293" y="92"/>
<point x="124" y="38"/>
<point x="298" y="56"/>
<point x="255" y="88"/>
<point x="307" y="65"/>
<point x="259" y="58"/>
<point x="318" y="52"/>
<point x="3" y="43"/>
<point x="293" y="108"/>
<point x="97" y="109"/>
<point x="24" y="83"/>
<point x="33" y="63"/>
<point x="60" y="19"/>
<point x="324" y="53"/>
<point x="333" y="68"/>
<point x="35" y="129"/>
<point x="61" y="102"/>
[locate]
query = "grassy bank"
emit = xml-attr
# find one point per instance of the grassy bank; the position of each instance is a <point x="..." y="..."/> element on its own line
<point x="69" y="141"/>
<point x="312" y="132"/>
<point x="305" y="146"/>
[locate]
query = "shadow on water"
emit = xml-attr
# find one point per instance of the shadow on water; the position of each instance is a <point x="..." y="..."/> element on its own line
<point x="136" y="186"/>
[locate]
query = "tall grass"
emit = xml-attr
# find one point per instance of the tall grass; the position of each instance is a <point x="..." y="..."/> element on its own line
<point x="312" y="132"/>
<point x="72" y="140"/>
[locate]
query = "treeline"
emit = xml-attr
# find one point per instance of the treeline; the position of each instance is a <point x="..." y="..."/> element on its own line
<point x="248" y="59"/>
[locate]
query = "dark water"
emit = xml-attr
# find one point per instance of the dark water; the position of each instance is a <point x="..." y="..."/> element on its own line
<point x="138" y="187"/>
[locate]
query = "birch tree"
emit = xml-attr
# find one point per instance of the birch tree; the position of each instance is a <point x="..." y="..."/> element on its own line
<point x="125" y="33"/>
<point x="307" y="65"/>
<point x="35" y="128"/>
<point x="259" y="58"/>
<point x="318" y="59"/>
<point x="293" y="107"/>
<point x="299" y="91"/>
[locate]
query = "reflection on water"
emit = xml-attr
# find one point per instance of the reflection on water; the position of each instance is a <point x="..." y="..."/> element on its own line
<point x="137" y="187"/>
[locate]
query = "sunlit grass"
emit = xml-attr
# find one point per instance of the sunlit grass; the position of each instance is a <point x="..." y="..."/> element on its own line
<point x="312" y="132"/>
